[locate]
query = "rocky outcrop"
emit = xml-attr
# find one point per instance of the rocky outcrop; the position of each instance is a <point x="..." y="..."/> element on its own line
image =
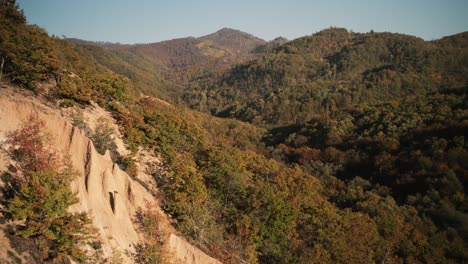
<point x="109" y="194"/>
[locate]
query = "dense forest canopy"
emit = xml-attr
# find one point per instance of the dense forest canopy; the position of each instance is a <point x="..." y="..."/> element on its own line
<point x="353" y="150"/>
<point x="332" y="69"/>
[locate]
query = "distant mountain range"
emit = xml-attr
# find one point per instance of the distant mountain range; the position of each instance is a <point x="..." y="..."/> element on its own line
<point x="229" y="44"/>
<point x="236" y="74"/>
<point x="173" y="63"/>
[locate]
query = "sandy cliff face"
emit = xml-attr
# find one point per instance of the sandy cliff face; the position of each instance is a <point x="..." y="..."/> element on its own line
<point x="105" y="191"/>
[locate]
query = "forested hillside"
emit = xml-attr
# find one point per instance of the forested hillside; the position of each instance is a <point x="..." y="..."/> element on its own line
<point x="330" y="70"/>
<point x="165" y="68"/>
<point x="354" y="148"/>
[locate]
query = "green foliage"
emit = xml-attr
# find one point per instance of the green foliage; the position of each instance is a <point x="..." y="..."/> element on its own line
<point x="138" y="69"/>
<point x="185" y="190"/>
<point x="111" y="86"/>
<point x="332" y="69"/>
<point x="39" y="196"/>
<point x="364" y="159"/>
<point x="102" y="136"/>
<point x="42" y="202"/>
<point x="24" y="65"/>
<point x="220" y="192"/>
<point x="410" y="148"/>
<point x="78" y="119"/>
<point x="31" y="58"/>
<point x="167" y="128"/>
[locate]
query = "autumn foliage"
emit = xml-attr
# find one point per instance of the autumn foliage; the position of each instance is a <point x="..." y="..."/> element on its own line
<point x="27" y="146"/>
<point x="37" y="196"/>
<point x="154" y="248"/>
<point x="355" y="150"/>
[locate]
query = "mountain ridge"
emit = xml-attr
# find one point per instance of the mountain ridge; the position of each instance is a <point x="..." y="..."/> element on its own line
<point x="221" y="32"/>
<point x="172" y="64"/>
<point x="331" y="69"/>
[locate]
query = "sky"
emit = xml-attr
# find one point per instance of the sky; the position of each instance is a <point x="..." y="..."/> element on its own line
<point x="146" y="21"/>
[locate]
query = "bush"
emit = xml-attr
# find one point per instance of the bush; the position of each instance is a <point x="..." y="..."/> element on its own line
<point x="41" y="195"/>
<point x="153" y="250"/>
<point x="102" y="136"/>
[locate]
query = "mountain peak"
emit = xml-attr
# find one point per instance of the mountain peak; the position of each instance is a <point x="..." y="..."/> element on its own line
<point x="228" y="30"/>
<point x="230" y="34"/>
<point x="280" y="40"/>
<point x="235" y="40"/>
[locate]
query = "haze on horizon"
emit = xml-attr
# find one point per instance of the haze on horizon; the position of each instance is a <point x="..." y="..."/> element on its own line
<point x="146" y="21"/>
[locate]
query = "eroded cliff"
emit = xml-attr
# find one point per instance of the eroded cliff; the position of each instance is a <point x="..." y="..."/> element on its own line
<point x="109" y="194"/>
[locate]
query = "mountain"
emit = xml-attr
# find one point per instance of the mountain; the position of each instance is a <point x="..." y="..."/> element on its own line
<point x="270" y="46"/>
<point x="459" y="40"/>
<point x="354" y="151"/>
<point x="230" y="45"/>
<point x="164" y="68"/>
<point x="280" y="40"/>
<point x="333" y="69"/>
<point x="235" y="41"/>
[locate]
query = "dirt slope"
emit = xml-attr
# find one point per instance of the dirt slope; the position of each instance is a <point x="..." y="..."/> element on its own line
<point x="108" y="193"/>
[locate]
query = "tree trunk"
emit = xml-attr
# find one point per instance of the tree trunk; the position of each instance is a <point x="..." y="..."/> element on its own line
<point x="1" y="68"/>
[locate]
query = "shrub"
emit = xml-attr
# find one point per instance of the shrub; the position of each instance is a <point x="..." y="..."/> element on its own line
<point x="102" y="136"/>
<point x="40" y="198"/>
<point x="153" y="250"/>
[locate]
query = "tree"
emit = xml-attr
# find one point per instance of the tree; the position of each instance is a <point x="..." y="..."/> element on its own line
<point x="9" y="9"/>
<point x="42" y="204"/>
<point x="27" y="147"/>
<point x="1" y="67"/>
<point x="40" y="198"/>
<point x="102" y="136"/>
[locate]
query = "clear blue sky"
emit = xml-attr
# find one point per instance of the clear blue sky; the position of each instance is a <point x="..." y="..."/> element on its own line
<point x="143" y="21"/>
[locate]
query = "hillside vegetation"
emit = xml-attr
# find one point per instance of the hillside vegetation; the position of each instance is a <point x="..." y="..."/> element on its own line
<point x="164" y="68"/>
<point x="332" y="69"/>
<point x="355" y="149"/>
